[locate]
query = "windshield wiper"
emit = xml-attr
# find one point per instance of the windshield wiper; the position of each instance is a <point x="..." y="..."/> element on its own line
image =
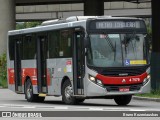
<point x="129" y="39"/>
<point x="110" y="43"/>
<point x="112" y="46"/>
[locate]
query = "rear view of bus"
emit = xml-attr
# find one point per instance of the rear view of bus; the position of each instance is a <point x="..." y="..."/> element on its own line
<point x="80" y="58"/>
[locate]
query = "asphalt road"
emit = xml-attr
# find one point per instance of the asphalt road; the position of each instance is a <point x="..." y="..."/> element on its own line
<point x="16" y="102"/>
<point x="10" y="101"/>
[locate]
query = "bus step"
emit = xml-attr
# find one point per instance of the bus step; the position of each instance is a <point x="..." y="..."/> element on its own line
<point x="42" y="95"/>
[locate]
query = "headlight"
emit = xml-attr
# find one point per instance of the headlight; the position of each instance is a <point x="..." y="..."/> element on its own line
<point x="149" y="76"/>
<point x="93" y="79"/>
<point x="146" y="79"/>
<point x="99" y="82"/>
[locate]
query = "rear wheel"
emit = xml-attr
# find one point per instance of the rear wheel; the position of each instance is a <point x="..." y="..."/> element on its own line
<point x="123" y="100"/>
<point x="29" y="93"/>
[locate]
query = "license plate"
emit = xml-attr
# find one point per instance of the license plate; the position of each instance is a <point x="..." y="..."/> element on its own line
<point x="123" y="89"/>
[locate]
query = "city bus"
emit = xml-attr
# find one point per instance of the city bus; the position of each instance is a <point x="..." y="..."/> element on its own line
<point x="80" y="57"/>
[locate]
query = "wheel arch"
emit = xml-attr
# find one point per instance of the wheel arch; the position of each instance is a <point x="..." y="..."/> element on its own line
<point x="25" y="81"/>
<point x="63" y="80"/>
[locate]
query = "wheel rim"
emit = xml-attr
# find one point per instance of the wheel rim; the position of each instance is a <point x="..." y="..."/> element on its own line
<point x="68" y="92"/>
<point x="29" y="91"/>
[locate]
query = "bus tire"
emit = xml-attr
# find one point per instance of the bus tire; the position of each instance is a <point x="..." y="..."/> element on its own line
<point x="123" y="100"/>
<point x="67" y="93"/>
<point x="29" y="93"/>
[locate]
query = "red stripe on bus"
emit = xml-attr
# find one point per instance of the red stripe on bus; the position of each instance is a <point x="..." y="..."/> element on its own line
<point x="31" y="72"/>
<point x="122" y="80"/>
<point x="34" y="82"/>
<point x="11" y="76"/>
<point x="48" y="78"/>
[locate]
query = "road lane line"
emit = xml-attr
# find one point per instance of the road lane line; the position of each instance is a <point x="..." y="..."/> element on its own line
<point x="100" y="109"/>
<point x="137" y="110"/>
<point x="72" y="108"/>
<point x="2" y="106"/>
<point x="29" y="107"/>
<point x="61" y="108"/>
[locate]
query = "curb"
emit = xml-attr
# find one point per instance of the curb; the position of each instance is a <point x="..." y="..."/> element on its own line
<point x="3" y="87"/>
<point x="146" y="98"/>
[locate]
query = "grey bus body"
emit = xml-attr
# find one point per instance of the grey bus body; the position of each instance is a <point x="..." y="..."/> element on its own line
<point x="70" y="61"/>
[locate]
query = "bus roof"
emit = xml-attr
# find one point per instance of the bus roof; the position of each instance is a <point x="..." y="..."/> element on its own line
<point x="63" y="23"/>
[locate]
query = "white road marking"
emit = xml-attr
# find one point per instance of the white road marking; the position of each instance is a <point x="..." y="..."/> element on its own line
<point x="137" y="110"/>
<point x="71" y="108"/>
<point x="99" y="109"/>
<point x="82" y="108"/>
<point x="61" y="108"/>
<point x="2" y="106"/>
<point x="13" y="105"/>
<point x="29" y="107"/>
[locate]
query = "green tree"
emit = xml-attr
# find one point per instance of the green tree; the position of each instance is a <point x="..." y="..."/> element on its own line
<point x="27" y="25"/>
<point x="3" y="70"/>
<point x="149" y="29"/>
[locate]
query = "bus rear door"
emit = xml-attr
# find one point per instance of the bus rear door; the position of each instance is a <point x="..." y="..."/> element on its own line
<point x="17" y="64"/>
<point x="41" y="63"/>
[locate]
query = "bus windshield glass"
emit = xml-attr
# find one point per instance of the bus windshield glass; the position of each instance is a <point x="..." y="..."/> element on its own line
<point x="117" y="50"/>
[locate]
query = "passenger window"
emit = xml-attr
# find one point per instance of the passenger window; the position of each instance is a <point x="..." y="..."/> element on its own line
<point x="53" y="43"/>
<point x="60" y="43"/>
<point x="29" y="47"/>
<point x="65" y="43"/>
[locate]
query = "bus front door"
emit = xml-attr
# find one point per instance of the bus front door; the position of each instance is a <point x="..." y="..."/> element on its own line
<point x="17" y="65"/>
<point x="78" y="63"/>
<point x="41" y="64"/>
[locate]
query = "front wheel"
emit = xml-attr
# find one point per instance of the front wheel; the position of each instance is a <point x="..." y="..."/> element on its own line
<point x="123" y="99"/>
<point x="67" y="93"/>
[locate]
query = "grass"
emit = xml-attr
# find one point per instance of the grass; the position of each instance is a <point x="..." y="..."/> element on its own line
<point x="3" y="83"/>
<point x="152" y="94"/>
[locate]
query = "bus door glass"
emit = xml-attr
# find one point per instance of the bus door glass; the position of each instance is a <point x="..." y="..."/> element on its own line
<point x="17" y="64"/>
<point x="78" y="61"/>
<point x="41" y="63"/>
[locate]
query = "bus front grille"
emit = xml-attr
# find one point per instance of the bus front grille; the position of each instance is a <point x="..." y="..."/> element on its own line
<point x="117" y="72"/>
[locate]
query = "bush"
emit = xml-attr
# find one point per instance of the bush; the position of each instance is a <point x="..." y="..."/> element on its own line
<point x="27" y="25"/>
<point x="155" y="92"/>
<point x="3" y="70"/>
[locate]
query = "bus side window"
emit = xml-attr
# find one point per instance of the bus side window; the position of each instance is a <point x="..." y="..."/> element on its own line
<point x="65" y="43"/>
<point x="29" y="47"/>
<point x="11" y="47"/>
<point x="60" y="43"/>
<point x="53" y="43"/>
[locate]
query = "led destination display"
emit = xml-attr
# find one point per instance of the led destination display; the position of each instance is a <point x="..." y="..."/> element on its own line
<point x="117" y="24"/>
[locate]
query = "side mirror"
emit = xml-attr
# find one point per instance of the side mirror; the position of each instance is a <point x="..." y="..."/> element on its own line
<point x="86" y="42"/>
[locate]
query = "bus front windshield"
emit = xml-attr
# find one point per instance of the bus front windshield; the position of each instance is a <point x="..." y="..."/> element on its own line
<point x="117" y="50"/>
